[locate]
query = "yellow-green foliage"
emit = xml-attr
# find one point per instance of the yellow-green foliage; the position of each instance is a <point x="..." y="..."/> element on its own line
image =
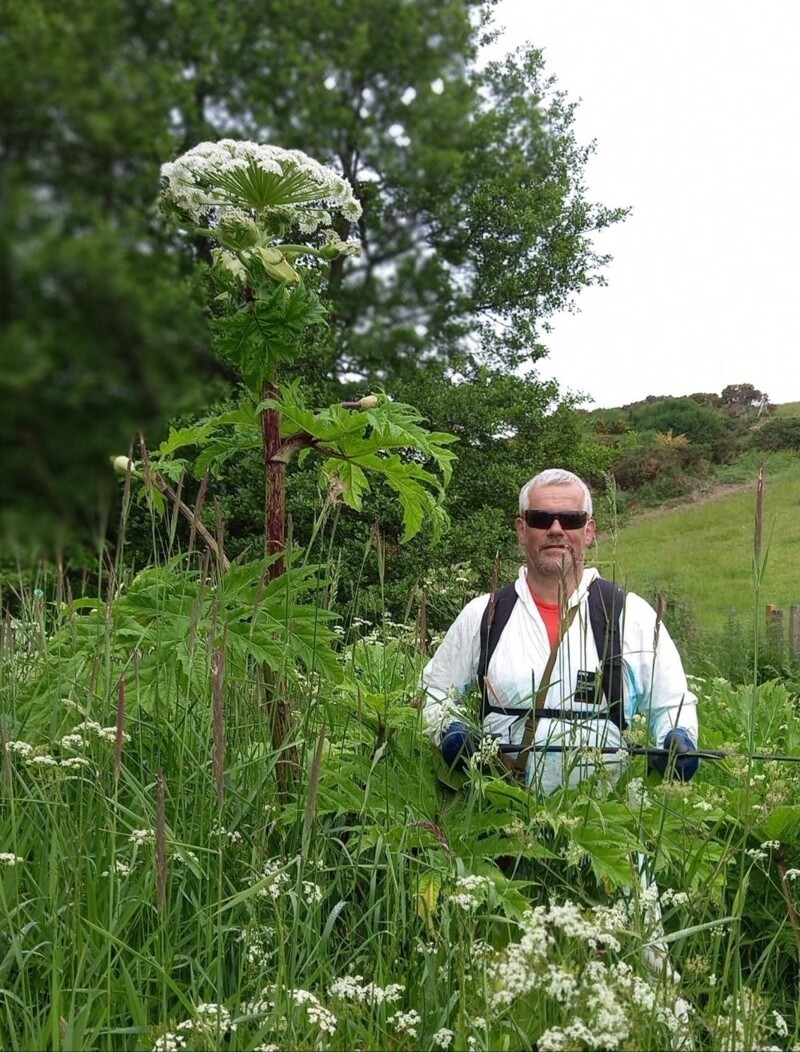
<point x="703" y="552"/>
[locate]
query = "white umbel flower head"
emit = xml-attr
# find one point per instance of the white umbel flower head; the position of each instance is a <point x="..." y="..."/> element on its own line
<point x="239" y="176"/>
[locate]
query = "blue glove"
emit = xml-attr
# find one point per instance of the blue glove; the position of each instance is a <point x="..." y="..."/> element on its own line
<point x="677" y="742"/>
<point x="457" y="745"/>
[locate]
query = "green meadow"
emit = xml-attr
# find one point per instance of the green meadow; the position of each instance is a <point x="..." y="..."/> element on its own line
<point x="703" y="552"/>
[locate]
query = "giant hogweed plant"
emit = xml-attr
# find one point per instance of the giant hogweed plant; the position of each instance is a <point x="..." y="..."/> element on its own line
<point x="274" y="219"/>
<point x="248" y="199"/>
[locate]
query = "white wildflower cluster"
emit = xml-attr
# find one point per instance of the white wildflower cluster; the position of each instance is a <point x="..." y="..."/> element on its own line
<point x="208" y="1021"/>
<point x="259" y="945"/>
<point x="121" y="867"/>
<point x="279" y="879"/>
<point x="233" y="836"/>
<point x="217" y="176"/>
<point x="488" y="750"/>
<point x="443" y="1038"/>
<point x="74" y="762"/>
<point x="675" y="1018"/>
<point x="354" y="988"/>
<point x="142" y="836"/>
<point x="75" y="742"/>
<point x="318" y="1015"/>
<point x="42" y="760"/>
<point x="573" y="854"/>
<point x="405" y="1022"/>
<point x="600" y="999"/>
<point x="342" y="248"/>
<point x="260" y="1006"/>
<point x="780" y="1026"/>
<point x="7" y="858"/>
<point x="214" y="1016"/>
<point x="108" y="734"/>
<point x="183" y="854"/>
<point x="757" y="854"/>
<point x="312" y="892"/>
<point x="598" y="929"/>
<point x="670" y="897"/>
<point x="23" y="749"/>
<point x="470" y="891"/>
<point x="169" y="1042"/>
<point x="792" y="874"/>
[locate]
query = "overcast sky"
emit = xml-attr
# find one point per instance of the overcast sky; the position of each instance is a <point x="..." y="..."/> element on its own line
<point x="694" y="108"/>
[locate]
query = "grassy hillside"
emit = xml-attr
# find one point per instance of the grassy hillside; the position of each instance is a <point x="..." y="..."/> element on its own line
<point x="702" y="552"/>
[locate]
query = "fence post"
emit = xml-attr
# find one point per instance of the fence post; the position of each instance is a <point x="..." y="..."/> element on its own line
<point x="774" y="616"/>
<point x="794" y="632"/>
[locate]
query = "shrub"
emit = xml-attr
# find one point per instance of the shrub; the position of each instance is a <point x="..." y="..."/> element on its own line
<point x="778" y="433"/>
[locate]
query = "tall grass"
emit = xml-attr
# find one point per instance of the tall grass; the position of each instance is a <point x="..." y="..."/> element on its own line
<point x="157" y="891"/>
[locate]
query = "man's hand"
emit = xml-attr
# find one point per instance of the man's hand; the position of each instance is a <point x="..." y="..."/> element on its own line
<point x="458" y="745"/>
<point x="673" y="762"/>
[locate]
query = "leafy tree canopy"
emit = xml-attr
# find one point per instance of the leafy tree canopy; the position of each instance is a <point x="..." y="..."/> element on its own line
<point x="475" y="229"/>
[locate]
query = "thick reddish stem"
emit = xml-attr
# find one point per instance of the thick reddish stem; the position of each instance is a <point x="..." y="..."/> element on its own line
<point x="275" y="484"/>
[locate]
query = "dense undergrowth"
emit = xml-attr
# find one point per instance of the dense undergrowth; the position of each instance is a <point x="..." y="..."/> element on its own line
<point x="164" y="887"/>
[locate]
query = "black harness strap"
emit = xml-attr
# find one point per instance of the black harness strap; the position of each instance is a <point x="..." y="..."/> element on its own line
<point x="490" y="632"/>
<point x="606" y="601"/>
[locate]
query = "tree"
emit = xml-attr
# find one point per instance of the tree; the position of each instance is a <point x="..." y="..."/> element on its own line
<point x="743" y="400"/>
<point x="475" y="224"/>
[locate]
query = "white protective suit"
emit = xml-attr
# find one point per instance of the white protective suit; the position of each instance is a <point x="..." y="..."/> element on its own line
<point x="653" y="683"/>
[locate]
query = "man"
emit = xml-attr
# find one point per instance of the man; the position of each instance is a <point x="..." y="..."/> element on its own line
<point x="555" y="528"/>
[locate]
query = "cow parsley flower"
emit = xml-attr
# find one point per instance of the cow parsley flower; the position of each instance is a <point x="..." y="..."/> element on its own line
<point x="169" y="1042"/>
<point x="354" y="988"/>
<point x="74" y="762"/>
<point x="142" y="836"/>
<point x="405" y="1022"/>
<point x="7" y="858"/>
<point x="72" y="741"/>
<point x="312" y="892"/>
<point x="443" y="1038"/>
<point x="318" y="1015"/>
<point x="24" y="749"/>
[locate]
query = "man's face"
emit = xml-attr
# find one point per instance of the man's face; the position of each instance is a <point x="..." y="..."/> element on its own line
<point x="553" y="551"/>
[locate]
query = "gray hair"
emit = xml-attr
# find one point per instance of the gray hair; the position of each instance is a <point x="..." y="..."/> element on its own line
<point x="555" y="477"/>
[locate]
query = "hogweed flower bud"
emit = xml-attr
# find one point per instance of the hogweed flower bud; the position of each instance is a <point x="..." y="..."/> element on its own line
<point x="367" y="402"/>
<point x="122" y="465"/>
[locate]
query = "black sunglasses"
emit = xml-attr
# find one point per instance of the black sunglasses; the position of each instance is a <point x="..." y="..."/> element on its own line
<point x="543" y="520"/>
